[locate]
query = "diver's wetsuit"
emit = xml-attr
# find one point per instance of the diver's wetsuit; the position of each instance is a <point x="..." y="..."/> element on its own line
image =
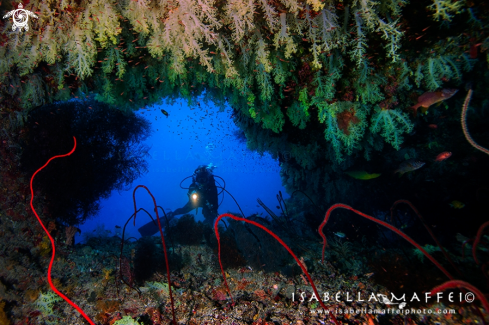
<point x="204" y="186"/>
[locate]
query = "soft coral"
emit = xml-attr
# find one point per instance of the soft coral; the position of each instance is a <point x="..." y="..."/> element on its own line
<point x="346" y="118"/>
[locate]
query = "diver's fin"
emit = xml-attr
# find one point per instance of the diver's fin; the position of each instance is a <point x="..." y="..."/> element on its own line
<point x="149" y="229"/>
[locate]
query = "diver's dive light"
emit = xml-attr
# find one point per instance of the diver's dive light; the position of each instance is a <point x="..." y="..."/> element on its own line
<point x="194" y="195"/>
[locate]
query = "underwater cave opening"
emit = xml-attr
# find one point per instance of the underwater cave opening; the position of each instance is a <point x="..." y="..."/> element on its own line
<point x="184" y="137"/>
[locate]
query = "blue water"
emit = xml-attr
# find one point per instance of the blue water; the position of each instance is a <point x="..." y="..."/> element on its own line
<point x="179" y="143"/>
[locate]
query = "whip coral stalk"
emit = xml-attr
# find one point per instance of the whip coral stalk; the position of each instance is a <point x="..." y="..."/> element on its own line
<point x="121" y="268"/>
<point x="382" y="223"/>
<point x="427" y="228"/>
<point x="52" y="240"/>
<point x="463" y="284"/>
<point x="224" y="215"/>
<point x="162" y="241"/>
<point x="464" y="124"/>
<point x="450" y="284"/>
<point x="477" y="240"/>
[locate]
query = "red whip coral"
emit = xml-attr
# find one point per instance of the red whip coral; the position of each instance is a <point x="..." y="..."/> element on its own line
<point x="52" y="240"/>
<point x="427" y="228"/>
<point x="477" y="240"/>
<point x="224" y="215"/>
<point x="382" y="223"/>
<point x="462" y="284"/>
<point x="162" y="241"/>
<point x="453" y="283"/>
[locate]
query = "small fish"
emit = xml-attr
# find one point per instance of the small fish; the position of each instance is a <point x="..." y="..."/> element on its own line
<point x="339" y="234"/>
<point x="118" y="227"/>
<point x="361" y="174"/>
<point x="165" y="112"/>
<point x="433" y="126"/>
<point x="408" y="166"/>
<point x="430" y="98"/>
<point x="444" y="155"/>
<point x="456" y="204"/>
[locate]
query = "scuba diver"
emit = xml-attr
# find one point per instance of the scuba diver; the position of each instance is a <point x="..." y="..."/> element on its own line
<point x="201" y="193"/>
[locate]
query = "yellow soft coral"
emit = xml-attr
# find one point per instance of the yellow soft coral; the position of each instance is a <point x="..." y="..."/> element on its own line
<point x="316" y="4"/>
<point x="44" y="246"/>
<point x="107" y="273"/>
<point x="3" y="315"/>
